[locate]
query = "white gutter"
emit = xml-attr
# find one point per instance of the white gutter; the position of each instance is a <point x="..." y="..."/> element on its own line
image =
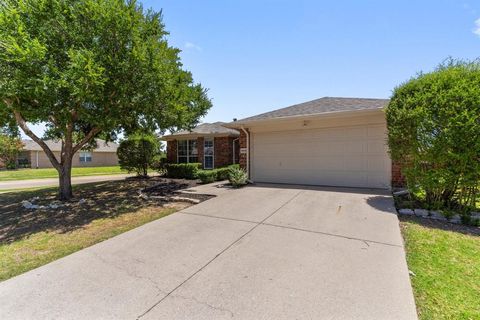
<point x="248" y="151"/>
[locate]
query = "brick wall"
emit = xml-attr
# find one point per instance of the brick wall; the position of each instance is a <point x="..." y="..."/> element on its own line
<point x="223" y="151"/>
<point x="243" y="144"/>
<point x="398" y="180"/>
<point x="172" y="151"/>
<point x="223" y="147"/>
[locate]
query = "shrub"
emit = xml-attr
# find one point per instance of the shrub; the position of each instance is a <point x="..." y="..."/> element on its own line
<point x="182" y="170"/>
<point x="10" y="147"/>
<point x="433" y="124"/>
<point x="237" y="177"/>
<point x="207" y="176"/>
<point x="138" y="153"/>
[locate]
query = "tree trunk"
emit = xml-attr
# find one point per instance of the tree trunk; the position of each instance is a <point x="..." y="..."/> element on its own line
<point x="65" y="180"/>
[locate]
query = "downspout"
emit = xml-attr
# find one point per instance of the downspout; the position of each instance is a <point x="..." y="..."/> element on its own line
<point x="248" y="151"/>
<point x="36" y="156"/>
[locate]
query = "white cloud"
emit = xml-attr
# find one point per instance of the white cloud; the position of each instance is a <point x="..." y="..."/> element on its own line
<point x="476" y="30"/>
<point x="190" y="45"/>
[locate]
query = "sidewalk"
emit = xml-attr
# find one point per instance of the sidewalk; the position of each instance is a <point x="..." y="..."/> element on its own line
<point x="52" y="182"/>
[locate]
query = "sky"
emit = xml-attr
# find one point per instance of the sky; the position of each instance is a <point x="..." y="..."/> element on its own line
<point x="257" y="56"/>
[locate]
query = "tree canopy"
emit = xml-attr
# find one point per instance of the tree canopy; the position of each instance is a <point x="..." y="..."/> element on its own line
<point x="91" y="68"/>
<point x="434" y="131"/>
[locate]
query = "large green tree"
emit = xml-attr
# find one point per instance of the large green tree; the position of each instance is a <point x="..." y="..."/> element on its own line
<point x="90" y="68"/>
<point x="434" y="131"/>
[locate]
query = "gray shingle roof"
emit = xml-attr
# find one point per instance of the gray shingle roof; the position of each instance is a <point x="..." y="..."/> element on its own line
<point x="102" y="146"/>
<point x="216" y="128"/>
<point x="319" y="106"/>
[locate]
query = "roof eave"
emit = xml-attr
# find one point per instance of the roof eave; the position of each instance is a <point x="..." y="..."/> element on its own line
<point x="192" y="135"/>
<point x="332" y="114"/>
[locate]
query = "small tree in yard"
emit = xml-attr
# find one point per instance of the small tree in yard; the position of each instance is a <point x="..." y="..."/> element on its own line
<point x="434" y="131"/>
<point x="138" y="153"/>
<point x="10" y="146"/>
<point x="90" y="68"/>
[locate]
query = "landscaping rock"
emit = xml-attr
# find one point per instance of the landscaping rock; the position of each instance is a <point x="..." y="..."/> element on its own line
<point x="28" y="205"/>
<point x="401" y="193"/>
<point x="421" y="213"/>
<point x="437" y="216"/>
<point x="456" y="219"/>
<point x="406" y="212"/>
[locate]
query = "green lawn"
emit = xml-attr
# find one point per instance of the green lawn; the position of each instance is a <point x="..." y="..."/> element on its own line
<point x="32" y="238"/>
<point x="25" y="174"/>
<point x="447" y="271"/>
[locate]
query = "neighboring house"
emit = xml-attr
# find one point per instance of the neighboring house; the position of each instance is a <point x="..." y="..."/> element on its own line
<point x="328" y="141"/>
<point x="210" y="144"/>
<point x="33" y="155"/>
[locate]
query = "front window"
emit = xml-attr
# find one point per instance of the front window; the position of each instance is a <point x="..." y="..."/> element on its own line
<point x="208" y="154"/>
<point x="187" y="151"/>
<point x="85" y="156"/>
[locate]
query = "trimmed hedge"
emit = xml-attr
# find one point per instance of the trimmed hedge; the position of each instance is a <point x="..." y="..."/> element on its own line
<point x="207" y="176"/>
<point x="220" y="174"/>
<point x="183" y="170"/>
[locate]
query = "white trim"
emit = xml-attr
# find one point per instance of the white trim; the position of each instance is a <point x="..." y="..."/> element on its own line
<point x="188" y="156"/>
<point x="86" y="155"/>
<point x="213" y="155"/>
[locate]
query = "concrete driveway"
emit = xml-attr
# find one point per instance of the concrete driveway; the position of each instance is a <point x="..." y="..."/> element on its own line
<point x="261" y="252"/>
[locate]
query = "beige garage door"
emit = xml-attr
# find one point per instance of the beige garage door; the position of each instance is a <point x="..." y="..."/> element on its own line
<point x="354" y="156"/>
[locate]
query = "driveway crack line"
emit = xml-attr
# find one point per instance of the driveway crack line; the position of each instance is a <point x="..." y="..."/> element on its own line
<point x="216" y="217"/>
<point x="216" y="256"/>
<point x="333" y="235"/>
<point x="205" y="304"/>
<point x="130" y="273"/>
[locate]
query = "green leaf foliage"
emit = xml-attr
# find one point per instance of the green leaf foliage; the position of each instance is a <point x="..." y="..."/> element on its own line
<point x="219" y="174"/>
<point x="434" y="131"/>
<point x="91" y="68"/>
<point x="207" y="176"/>
<point x="104" y="63"/>
<point x="138" y="153"/>
<point x="183" y="170"/>
<point x="10" y="146"/>
<point x="238" y="177"/>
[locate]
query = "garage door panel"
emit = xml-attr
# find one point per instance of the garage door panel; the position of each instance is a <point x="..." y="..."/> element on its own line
<point x="377" y="131"/>
<point x="344" y="156"/>
<point x="376" y="147"/>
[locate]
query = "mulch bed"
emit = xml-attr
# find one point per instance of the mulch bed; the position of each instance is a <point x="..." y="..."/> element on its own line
<point x="164" y="187"/>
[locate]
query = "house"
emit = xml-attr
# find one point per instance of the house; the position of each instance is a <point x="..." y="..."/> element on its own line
<point x="328" y="141"/>
<point x="33" y="156"/>
<point x="211" y="144"/>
